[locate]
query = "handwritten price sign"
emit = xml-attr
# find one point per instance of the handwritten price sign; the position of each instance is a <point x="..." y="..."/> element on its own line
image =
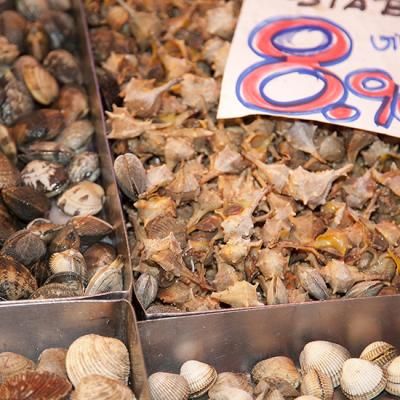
<point x="319" y="60"/>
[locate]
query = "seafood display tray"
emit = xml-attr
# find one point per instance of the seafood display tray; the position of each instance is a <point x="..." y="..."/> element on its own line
<point x="236" y="340"/>
<point x="28" y="329"/>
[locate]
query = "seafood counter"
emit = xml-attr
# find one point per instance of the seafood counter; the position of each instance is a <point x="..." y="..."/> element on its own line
<point x="235" y="213"/>
<point x="61" y="229"/>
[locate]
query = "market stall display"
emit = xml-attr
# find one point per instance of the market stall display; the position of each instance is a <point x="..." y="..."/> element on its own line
<point x="61" y="229"/>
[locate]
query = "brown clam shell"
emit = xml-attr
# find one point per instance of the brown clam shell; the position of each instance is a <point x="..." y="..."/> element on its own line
<point x="53" y="360"/>
<point x="12" y="364"/>
<point x="91" y="229"/>
<point x="7" y="224"/>
<point x="9" y="175"/>
<point x="64" y="66"/>
<point x="98" y="255"/>
<point x="16" y="282"/>
<point x="32" y="385"/>
<point x="55" y="291"/>
<point x="66" y="238"/>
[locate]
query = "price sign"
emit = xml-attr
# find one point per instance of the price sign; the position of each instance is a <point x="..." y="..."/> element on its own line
<point x="331" y="61"/>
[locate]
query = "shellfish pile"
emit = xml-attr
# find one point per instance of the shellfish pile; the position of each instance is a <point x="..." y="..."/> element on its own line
<point x="234" y="213"/>
<point x="50" y="236"/>
<point x="324" y="368"/>
<point x="94" y="367"/>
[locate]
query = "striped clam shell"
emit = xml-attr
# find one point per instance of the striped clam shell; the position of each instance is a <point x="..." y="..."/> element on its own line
<point x="362" y="379"/>
<point x="166" y="386"/>
<point x="380" y="353"/>
<point x="316" y="383"/>
<point x="393" y="377"/>
<point x="326" y="357"/>
<point x="200" y="377"/>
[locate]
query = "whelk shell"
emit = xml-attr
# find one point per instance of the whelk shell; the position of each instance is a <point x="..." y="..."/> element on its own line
<point x="53" y="360"/>
<point x="380" y="353"/>
<point x="316" y="383"/>
<point x="200" y="377"/>
<point x="165" y="386"/>
<point x="34" y="385"/>
<point x="12" y="364"/>
<point x="326" y="357"/>
<point x="361" y="379"/>
<point x="97" y="387"/>
<point x="95" y="354"/>
<point x="393" y="377"/>
<point x="276" y="367"/>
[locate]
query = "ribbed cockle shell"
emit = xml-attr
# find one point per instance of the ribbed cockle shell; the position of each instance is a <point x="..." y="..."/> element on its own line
<point x="12" y="364"/>
<point x="200" y="377"/>
<point x="316" y="383"/>
<point x="53" y="360"/>
<point x="393" y="377"/>
<point x="380" y="353"/>
<point x="166" y="386"/>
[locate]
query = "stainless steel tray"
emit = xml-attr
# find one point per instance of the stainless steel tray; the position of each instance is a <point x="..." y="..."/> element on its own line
<point x="29" y="328"/>
<point x="237" y="340"/>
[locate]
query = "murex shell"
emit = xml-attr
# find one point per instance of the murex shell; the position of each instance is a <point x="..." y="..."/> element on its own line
<point x="393" y="377"/>
<point x="12" y="364"/>
<point x="380" y="353"/>
<point x="200" y="377"/>
<point x="97" y="387"/>
<point x="325" y="357"/>
<point x="318" y="384"/>
<point x="362" y="379"/>
<point x="166" y="386"/>
<point x="95" y="354"/>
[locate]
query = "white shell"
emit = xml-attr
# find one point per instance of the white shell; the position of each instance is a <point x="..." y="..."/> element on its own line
<point x="393" y="377"/>
<point x="200" y="376"/>
<point x="361" y="379"/>
<point x="84" y="198"/>
<point x="70" y="260"/>
<point x="380" y="353"/>
<point x="316" y="383"/>
<point x="166" y="386"/>
<point x="100" y="355"/>
<point x="326" y="357"/>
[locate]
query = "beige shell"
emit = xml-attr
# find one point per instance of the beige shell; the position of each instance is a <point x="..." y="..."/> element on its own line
<point x="95" y="354"/>
<point x="84" y="198"/>
<point x="306" y="397"/>
<point x="13" y="363"/>
<point x="274" y="394"/>
<point x="53" y="360"/>
<point x="166" y="386"/>
<point x="326" y="357"/>
<point x="277" y="367"/>
<point x="380" y="353"/>
<point x="393" y="377"/>
<point x="316" y="383"/>
<point x="107" y="278"/>
<point x="97" y="387"/>
<point x="70" y="260"/>
<point x="231" y="380"/>
<point x="200" y="377"/>
<point x="362" y="379"/>
<point x="231" y="393"/>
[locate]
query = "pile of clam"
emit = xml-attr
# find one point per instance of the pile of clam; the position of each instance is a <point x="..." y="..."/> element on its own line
<point x="324" y="368"/>
<point x="49" y="233"/>
<point x="234" y="213"/>
<point x="97" y="367"/>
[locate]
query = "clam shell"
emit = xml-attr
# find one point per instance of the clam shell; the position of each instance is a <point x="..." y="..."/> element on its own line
<point x="85" y="198"/>
<point x="47" y="151"/>
<point x="362" y="379"/>
<point x="84" y="166"/>
<point x="276" y="367"/>
<point x="16" y="282"/>
<point x="326" y="357"/>
<point x="95" y="354"/>
<point x="64" y="239"/>
<point x="200" y="377"/>
<point x="231" y="393"/>
<point x="274" y="395"/>
<point x="98" y="255"/>
<point x="380" y="353"/>
<point x="393" y="376"/>
<point x="76" y="135"/>
<point x="70" y="260"/>
<point x="53" y="360"/>
<point x="316" y="383"/>
<point x="107" y="279"/>
<point x="34" y="385"/>
<point x="165" y="386"/>
<point x="97" y="387"/>
<point x="306" y="397"/>
<point x="91" y="229"/>
<point x="9" y="175"/>
<point x="55" y="291"/>
<point x="12" y="364"/>
<point x="146" y="288"/>
<point x="231" y="380"/>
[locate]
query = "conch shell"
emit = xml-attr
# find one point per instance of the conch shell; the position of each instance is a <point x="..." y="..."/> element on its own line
<point x="240" y="294"/>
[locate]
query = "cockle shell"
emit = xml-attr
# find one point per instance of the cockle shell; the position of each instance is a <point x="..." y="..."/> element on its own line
<point x="380" y="353"/>
<point x="95" y="354"/>
<point x="326" y="357"/>
<point x="70" y="260"/>
<point x="200" y="377"/>
<point x="12" y="364"/>
<point x="84" y="198"/>
<point x="97" y="387"/>
<point x="362" y="379"/>
<point x="231" y="393"/>
<point x="230" y="380"/>
<point x="35" y="385"/>
<point x="166" y="386"/>
<point x="316" y="383"/>
<point x="276" y="367"/>
<point x="393" y="377"/>
<point x="53" y="360"/>
<point x="107" y="278"/>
